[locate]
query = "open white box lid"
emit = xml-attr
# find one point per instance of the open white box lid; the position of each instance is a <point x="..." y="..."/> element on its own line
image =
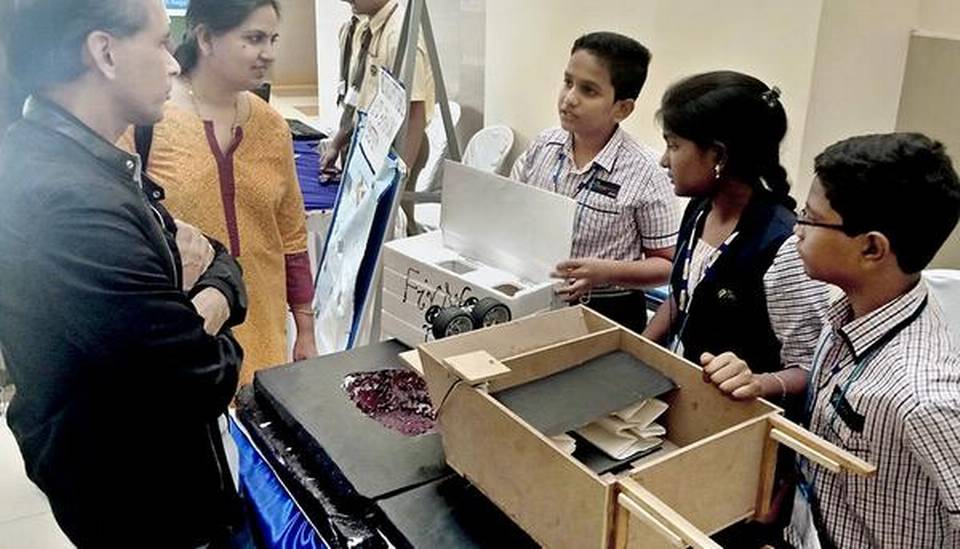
<point x="505" y="224"/>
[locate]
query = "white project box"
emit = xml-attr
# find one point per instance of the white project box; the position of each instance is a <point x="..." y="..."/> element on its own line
<point x="497" y="238"/>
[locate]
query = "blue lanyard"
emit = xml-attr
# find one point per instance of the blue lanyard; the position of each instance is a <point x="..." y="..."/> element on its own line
<point x="685" y="297"/>
<point x="813" y="387"/>
<point x="556" y="173"/>
<point x="588" y="185"/>
<point x="804" y="484"/>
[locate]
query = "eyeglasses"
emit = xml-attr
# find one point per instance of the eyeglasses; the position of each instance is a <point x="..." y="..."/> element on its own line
<point x="803" y="219"/>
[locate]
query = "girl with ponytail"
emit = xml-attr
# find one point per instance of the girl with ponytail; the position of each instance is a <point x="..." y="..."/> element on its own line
<point x="740" y="303"/>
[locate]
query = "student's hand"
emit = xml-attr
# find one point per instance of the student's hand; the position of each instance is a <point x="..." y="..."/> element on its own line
<point x="213" y="307"/>
<point x="582" y="275"/>
<point x="328" y="161"/>
<point x="731" y="375"/>
<point x="196" y="253"/>
<point x="574" y="290"/>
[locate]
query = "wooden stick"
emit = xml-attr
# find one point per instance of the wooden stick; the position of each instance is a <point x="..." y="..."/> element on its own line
<point x="663" y="514"/>
<point x="637" y="511"/>
<point x="797" y="437"/>
<point x="768" y="469"/>
<point x="619" y="528"/>
<point x="805" y="450"/>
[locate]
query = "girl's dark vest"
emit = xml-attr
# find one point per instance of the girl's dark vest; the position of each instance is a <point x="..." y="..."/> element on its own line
<point x="728" y="311"/>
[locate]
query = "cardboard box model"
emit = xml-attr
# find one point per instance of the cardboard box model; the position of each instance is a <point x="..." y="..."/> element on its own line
<point x="719" y="472"/>
<point x="498" y="239"/>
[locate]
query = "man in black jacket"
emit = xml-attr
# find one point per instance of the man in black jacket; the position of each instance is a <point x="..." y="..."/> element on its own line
<point x="113" y="318"/>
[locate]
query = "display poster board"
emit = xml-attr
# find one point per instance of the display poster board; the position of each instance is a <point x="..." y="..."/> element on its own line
<point x="361" y="216"/>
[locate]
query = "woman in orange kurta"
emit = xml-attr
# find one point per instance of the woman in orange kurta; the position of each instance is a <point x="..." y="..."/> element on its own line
<point x="225" y="160"/>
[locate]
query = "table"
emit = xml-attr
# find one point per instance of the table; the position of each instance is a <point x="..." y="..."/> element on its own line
<point x="310" y="458"/>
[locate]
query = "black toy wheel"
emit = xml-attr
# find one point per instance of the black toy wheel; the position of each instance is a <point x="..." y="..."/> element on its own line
<point x="470" y="301"/>
<point x="452" y="321"/>
<point x="431" y="314"/>
<point x="489" y="311"/>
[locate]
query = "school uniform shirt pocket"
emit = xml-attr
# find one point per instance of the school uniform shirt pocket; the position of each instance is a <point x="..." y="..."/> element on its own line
<point x="601" y="199"/>
<point x="848" y="426"/>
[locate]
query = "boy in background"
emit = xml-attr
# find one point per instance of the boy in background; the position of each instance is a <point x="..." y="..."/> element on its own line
<point x="369" y="43"/>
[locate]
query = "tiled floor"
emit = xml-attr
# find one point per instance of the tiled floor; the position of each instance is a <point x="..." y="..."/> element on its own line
<point x="25" y="518"/>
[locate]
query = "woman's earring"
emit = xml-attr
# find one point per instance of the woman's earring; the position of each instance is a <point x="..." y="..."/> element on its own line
<point x="716" y="171"/>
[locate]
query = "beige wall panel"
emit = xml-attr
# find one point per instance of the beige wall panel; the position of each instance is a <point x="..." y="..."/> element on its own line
<point x="528" y="44"/>
<point x="929" y="105"/>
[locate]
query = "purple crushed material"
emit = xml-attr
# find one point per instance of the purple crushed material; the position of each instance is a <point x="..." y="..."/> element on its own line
<point x="397" y="399"/>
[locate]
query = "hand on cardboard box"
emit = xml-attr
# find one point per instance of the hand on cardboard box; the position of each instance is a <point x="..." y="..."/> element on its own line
<point x="731" y="375"/>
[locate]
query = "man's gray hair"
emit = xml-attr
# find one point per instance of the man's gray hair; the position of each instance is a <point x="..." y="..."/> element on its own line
<point x="44" y="38"/>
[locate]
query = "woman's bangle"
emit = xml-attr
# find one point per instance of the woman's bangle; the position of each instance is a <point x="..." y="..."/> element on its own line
<point x="783" y="385"/>
<point x="303" y="310"/>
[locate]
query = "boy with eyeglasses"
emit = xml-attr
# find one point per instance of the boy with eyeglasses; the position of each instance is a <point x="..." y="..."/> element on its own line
<point x="885" y="383"/>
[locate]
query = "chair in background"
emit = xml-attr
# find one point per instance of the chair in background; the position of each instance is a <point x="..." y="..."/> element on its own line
<point x="487" y="150"/>
<point x="429" y="179"/>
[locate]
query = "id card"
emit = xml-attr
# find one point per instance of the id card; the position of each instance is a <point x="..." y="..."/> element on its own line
<point x="606" y="188"/>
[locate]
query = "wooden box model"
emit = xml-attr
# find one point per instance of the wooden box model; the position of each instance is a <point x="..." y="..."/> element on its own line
<point x="720" y="472"/>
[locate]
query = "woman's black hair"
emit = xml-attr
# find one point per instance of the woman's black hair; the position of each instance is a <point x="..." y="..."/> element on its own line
<point x="219" y="17"/>
<point x="738" y="112"/>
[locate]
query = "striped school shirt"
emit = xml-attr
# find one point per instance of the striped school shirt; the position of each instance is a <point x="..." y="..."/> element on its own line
<point x="902" y="414"/>
<point x="796" y="304"/>
<point x="626" y="204"/>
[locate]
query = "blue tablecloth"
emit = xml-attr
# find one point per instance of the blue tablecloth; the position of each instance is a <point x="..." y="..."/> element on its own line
<point x="315" y="195"/>
<point x="277" y="519"/>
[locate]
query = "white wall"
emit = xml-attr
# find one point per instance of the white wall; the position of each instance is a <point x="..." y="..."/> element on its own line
<point x="528" y="44"/>
<point x="940" y="16"/>
<point x="943" y="17"/>
<point x="458" y="26"/>
<point x="861" y="56"/>
<point x="929" y="105"/>
<point x="296" y="55"/>
<point x="330" y="14"/>
<point x="839" y="63"/>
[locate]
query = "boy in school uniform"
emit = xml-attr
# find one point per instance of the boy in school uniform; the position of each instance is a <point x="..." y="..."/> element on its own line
<point x="369" y="43"/>
<point x="885" y="383"/>
<point x="627" y="214"/>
